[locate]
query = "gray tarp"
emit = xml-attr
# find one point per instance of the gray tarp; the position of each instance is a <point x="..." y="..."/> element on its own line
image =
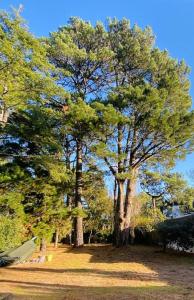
<point x="18" y="254"/>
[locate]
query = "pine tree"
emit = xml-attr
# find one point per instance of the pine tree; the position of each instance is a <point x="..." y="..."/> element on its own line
<point x="80" y="53"/>
<point x="25" y="73"/>
<point x="147" y="117"/>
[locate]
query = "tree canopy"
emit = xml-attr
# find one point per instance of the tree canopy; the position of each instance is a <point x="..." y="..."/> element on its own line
<point x="87" y="103"/>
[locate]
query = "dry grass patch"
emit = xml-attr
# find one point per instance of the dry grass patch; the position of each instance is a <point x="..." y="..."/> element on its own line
<point x="102" y="272"/>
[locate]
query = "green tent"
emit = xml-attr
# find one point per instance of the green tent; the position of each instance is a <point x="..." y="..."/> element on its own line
<point x="18" y="254"/>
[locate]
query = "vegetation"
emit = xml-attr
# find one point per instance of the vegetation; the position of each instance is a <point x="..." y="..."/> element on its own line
<point x="81" y="109"/>
<point x="179" y="234"/>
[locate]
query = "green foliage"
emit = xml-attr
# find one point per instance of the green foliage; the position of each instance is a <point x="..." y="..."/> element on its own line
<point x="12" y="232"/>
<point x="24" y="68"/>
<point x="127" y="104"/>
<point x="78" y="212"/>
<point x="166" y="186"/>
<point x="99" y="214"/>
<point x="42" y="230"/>
<point x="149" y="219"/>
<point x="99" y="206"/>
<point x="80" y="52"/>
<point x="177" y="232"/>
<point x="11" y="204"/>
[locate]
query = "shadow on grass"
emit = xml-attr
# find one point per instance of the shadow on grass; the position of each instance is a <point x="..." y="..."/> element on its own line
<point x="172" y="269"/>
<point x="31" y="290"/>
<point x="128" y="275"/>
<point x="169" y="267"/>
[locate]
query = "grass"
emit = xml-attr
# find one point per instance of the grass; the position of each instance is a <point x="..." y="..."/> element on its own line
<point x="102" y="272"/>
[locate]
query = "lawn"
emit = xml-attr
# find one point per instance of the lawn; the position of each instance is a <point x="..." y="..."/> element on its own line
<point x="102" y="272"/>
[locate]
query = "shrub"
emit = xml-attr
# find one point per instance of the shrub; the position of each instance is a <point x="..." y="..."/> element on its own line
<point x="177" y="232"/>
<point x="11" y="232"/>
<point x="148" y="219"/>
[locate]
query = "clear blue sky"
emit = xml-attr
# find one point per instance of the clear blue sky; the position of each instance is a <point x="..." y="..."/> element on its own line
<point x="172" y="22"/>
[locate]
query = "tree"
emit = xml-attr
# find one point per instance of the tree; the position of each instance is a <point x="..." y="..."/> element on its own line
<point x="147" y="117"/>
<point x="33" y="170"/>
<point x="127" y="101"/>
<point x="80" y="53"/>
<point x="167" y="187"/>
<point x="25" y="73"/>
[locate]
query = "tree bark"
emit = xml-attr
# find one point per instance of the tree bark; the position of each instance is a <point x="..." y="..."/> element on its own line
<point x="129" y="200"/>
<point x="119" y="214"/>
<point x="115" y="194"/>
<point x="154" y="202"/>
<point x="56" y="238"/>
<point x="124" y="211"/>
<point x="43" y="245"/>
<point x="119" y="183"/>
<point x="132" y="235"/>
<point x="79" y="241"/>
<point x="89" y="238"/>
<point x="4" y="115"/>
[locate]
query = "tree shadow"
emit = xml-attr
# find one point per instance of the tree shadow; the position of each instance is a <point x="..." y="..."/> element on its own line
<point x="126" y="275"/>
<point x="172" y="267"/>
<point x="109" y="263"/>
<point x="32" y="291"/>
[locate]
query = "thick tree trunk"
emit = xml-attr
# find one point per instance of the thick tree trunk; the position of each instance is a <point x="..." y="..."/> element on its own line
<point x="70" y="205"/>
<point x="56" y="238"/>
<point x="124" y="211"/>
<point x="129" y="200"/>
<point x="79" y="241"/>
<point x="115" y="195"/>
<point x="119" y="214"/>
<point x="120" y="184"/>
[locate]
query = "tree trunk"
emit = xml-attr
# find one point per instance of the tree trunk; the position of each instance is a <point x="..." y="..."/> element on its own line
<point x="43" y="245"/>
<point x="154" y="202"/>
<point x="79" y="241"/>
<point x="119" y="214"/>
<point x="4" y="115"/>
<point x="119" y="184"/>
<point x="90" y="235"/>
<point x="70" y="239"/>
<point x="115" y="194"/>
<point x="124" y="210"/>
<point x="132" y="235"/>
<point x="129" y="200"/>
<point x="56" y="238"/>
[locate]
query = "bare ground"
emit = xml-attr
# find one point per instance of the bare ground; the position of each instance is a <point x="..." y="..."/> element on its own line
<point x="102" y="272"/>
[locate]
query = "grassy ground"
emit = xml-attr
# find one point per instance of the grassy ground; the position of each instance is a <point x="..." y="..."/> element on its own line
<point x="102" y="272"/>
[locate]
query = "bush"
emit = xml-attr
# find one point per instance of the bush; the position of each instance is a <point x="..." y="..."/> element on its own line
<point x="177" y="232"/>
<point x="11" y="232"/>
<point x="148" y="219"/>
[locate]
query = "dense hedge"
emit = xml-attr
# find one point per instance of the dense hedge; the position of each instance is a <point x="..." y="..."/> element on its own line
<point x="178" y="233"/>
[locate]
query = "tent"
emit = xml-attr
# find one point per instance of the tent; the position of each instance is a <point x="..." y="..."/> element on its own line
<point x="18" y="254"/>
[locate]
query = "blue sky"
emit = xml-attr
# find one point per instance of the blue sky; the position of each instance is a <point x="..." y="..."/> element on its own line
<point x="172" y="22"/>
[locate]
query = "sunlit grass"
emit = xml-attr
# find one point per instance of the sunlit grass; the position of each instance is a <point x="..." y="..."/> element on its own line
<point x="103" y="272"/>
